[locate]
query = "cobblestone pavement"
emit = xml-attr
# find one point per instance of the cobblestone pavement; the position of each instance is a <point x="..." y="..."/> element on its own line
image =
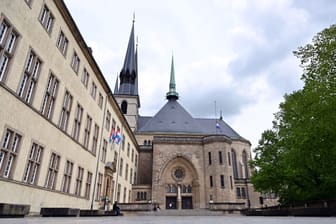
<point x="227" y="219"/>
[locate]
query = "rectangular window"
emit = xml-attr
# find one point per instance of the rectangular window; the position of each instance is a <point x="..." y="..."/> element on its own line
<point x="209" y="157"/>
<point x="99" y="186"/>
<point x="222" y="181"/>
<point x="75" y="62"/>
<point x="9" y="152"/>
<point x="8" y="42"/>
<point x="243" y="192"/>
<point x="65" y="112"/>
<point x="100" y="100"/>
<point x="124" y="195"/>
<point x="118" y="192"/>
<point x="108" y="120"/>
<point x="231" y="182"/>
<point x="85" y="78"/>
<point x="238" y="192"/>
<point x="88" y="185"/>
<point x="93" y="90"/>
<point x="132" y="155"/>
<point x="77" y="122"/>
<point x="115" y="158"/>
<point x="131" y="176"/>
<point x="136" y="160"/>
<point x="229" y="158"/>
<point x="62" y="43"/>
<point x="104" y="151"/>
<point x="52" y="171"/>
<point x="46" y="19"/>
<point x="67" y="177"/>
<point x="49" y="98"/>
<point x="121" y="167"/>
<point x="123" y="142"/>
<point x="128" y="149"/>
<point x="33" y="164"/>
<point x="220" y="157"/>
<point x="211" y="181"/>
<point x="30" y="77"/>
<point x="95" y="139"/>
<point x="87" y="131"/>
<point x="126" y="172"/>
<point x="135" y="177"/>
<point x="79" y="181"/>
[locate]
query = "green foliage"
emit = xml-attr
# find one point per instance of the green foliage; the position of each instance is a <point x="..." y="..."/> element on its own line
<point x="297" y="158"/>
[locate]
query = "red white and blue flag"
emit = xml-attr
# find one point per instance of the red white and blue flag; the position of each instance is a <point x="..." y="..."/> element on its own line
<point x="118" y="137"/>
<point x="112" y="135"/>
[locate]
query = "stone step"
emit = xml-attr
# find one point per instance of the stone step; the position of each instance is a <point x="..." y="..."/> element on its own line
<point x="184" y="212"/>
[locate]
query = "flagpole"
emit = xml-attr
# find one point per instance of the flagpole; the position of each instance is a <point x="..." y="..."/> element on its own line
<point x="216" y="116"/>
<point x="118" y="164"/>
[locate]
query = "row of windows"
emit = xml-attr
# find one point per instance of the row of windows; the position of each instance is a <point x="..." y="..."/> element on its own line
<point x="131" y="174"/>
<point x="222" y="181"/>
<point x="47" y="19"/>
<point x="29" y="81"/>
<point x="10" y="149"/>
<point x="8" y="42"/>
<point x="124" y="194"/>
<point x="233" y="155"/>
<point x="173" y="188"/>
<point x="142" y="196"/>
<point x="241" y="192"/>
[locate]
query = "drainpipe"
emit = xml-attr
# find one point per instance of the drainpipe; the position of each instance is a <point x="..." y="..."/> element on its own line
<point x="98" y="156"/>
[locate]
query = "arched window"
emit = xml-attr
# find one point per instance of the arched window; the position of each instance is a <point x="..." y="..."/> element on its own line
<point x="234" y="163"/>
<point x="244" y="155"/>
<point x="124" y="107"/>
<point x="145" y="142"/>
<point x="149" y="142"/>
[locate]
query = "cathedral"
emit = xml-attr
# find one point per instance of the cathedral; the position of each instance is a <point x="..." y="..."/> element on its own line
<point x="184" y="162"/>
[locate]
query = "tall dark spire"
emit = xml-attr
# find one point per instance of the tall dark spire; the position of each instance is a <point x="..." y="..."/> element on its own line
<point x="128" y="73"/>
<point x="172" y="94"/>
<point x="116" y="87"/>
<point x="136" y="91"/>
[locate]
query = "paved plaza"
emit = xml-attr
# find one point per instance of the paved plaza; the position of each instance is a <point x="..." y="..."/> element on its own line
<point x="227" y="219"/>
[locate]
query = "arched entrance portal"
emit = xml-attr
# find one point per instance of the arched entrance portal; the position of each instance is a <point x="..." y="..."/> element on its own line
<point x="179" y="181"/>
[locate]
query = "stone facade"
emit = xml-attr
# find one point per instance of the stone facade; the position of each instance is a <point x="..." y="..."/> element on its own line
<point x="198" y="158"/>
<point x="56" y="113"/>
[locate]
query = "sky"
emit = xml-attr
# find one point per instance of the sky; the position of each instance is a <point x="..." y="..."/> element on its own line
<point x="230" y="56"/>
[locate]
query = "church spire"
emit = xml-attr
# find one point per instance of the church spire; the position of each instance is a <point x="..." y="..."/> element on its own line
<point x="136" y="91"/>
<point x="172" y="94"/>
<point x="128" y="72"/>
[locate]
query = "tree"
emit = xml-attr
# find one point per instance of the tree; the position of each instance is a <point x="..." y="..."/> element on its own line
<point x="297" y="158"/>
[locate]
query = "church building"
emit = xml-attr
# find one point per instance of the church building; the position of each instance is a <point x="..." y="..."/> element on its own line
<point x="184" y="162"/>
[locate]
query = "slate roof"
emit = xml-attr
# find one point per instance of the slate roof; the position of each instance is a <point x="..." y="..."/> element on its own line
<point x="173" y="118"/>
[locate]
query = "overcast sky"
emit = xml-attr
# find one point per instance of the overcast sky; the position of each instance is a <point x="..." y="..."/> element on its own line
<point x="235" y="52"/>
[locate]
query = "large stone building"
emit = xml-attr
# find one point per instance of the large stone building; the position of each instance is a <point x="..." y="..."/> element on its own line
<point x="184" y="162"/>
<point x="56" y="114"/>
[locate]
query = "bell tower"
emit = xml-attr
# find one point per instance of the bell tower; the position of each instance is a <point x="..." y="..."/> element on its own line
<point x="126" y="92"/>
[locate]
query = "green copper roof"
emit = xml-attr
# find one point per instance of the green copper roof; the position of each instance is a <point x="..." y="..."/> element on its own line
<point x="172" y="94"/>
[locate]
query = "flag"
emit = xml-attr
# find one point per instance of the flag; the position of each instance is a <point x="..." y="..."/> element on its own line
<point x="218" y="126"/>
<point x="118" y="137"/>
<point x="112" y="135"/>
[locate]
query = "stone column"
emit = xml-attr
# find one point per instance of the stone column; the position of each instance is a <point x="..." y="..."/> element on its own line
<point x="179" y="199"/>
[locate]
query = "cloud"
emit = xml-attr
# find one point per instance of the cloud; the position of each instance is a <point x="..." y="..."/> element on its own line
<point x="237" y="53"/>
